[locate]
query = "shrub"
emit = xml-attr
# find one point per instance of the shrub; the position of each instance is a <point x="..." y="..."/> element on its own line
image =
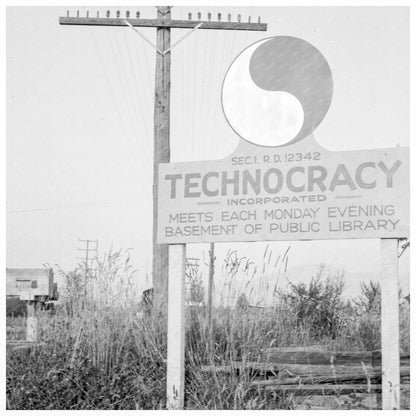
<point x="196" y="288"/>
<point x="16" y="307"/>
<point x="318" y="304"/>
<point x="368" y="317"/>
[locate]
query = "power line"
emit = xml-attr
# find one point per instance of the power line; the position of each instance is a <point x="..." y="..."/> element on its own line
<point x="114" y="101"/>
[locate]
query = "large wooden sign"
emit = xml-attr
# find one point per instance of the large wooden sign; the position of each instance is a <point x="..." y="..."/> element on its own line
<point x="276" y="189"/>
<point x="296" y="192"/>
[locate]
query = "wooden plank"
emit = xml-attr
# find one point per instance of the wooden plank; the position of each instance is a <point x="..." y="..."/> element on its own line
<point x="327" y="389"/>
<point x="301" y="370"/>
<point x="318" y="348"/>
<point x="23" y="345"/>
<point x="317" y="357"/>
<point x="390" y="336"/>
<point x="376" y="358"/>
<point x="161" y="154"/>
<point x="318" y="370"/>
<point x="290" y="369"/>
<point x="176" y="328"/>
<point x="345" y="378"/>
<point x="159" y="23"/>
<point x="240" y="366"/>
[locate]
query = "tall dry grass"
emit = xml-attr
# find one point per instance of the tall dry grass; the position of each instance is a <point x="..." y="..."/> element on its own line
<point x="98" y="351"/>
<point x="101" y="351"/>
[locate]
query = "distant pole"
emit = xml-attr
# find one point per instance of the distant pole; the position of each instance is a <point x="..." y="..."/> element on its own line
<point x="86" y="259"/>
<point x="390" y="333"/>
<point x="210" y="286"/>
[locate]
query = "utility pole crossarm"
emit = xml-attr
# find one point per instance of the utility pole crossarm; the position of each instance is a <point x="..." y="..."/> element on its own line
<point x="162" y="23"/>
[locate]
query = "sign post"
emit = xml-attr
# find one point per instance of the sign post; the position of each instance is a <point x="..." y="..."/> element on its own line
<point x="390" y="334"/>
<point x="176" y="327"/>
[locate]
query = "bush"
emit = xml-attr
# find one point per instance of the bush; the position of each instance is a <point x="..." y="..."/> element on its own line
<point x="16" y="307"/>
<point x="317" y="304"/>
<point x="368" y="317"/>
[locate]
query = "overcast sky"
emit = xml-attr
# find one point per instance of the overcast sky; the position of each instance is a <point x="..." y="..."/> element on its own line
<point x="80" y="122"/>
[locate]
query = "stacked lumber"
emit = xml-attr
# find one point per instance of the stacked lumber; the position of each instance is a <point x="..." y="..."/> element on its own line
<point x="303" y="371"/>
<point x="22" y="344"/>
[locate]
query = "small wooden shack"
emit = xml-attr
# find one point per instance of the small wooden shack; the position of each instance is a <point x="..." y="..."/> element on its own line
<point x="31" y="284"/>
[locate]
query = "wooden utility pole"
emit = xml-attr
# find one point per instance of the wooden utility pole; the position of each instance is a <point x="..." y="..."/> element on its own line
<point x="161" y="155"/>
<point x="163" y="24"/>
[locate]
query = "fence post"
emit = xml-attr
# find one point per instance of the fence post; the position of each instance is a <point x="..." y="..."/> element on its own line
<point x="31" y="322"/>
